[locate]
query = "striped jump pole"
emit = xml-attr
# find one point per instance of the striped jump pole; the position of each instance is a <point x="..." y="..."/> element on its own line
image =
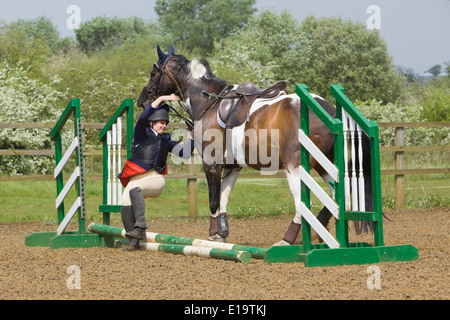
<point x="213" y="253"/>
<point x="257" y="253"/>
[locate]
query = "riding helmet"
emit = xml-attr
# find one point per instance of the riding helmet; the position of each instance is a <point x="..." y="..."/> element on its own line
<point x="161" y="113"/>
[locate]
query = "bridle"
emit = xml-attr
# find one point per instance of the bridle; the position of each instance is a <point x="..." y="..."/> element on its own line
<point x="163" y="71"/>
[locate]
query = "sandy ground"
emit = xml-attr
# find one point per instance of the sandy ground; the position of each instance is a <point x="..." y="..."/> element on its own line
<point x="112" y="274"/>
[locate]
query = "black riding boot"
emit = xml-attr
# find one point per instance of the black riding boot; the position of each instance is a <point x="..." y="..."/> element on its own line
<point x="128" y="223"/>
<point x="140" y="225"/>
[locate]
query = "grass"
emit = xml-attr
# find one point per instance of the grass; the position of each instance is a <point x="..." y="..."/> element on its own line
<point x="35" y="200"/>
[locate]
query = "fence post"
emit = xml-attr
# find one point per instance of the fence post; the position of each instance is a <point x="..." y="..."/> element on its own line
<point x="192" y="190"/>
<point x="399" y="165"/>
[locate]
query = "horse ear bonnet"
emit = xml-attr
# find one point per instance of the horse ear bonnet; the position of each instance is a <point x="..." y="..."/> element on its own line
<point x="162" y="56"/>
<point x="171" y="50"/>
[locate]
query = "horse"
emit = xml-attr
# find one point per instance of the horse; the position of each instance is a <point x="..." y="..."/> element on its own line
<point x="266" y="124"/>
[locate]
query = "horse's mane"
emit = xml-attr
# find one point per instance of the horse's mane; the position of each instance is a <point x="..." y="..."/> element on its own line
<point x="200" y="68"/>
<point x="196" y="69"/>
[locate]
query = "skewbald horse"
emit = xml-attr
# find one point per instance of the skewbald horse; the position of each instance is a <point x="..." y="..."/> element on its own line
<point x="267" y="140"/>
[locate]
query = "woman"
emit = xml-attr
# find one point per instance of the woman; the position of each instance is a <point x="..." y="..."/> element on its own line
<point x="142" y="173"/>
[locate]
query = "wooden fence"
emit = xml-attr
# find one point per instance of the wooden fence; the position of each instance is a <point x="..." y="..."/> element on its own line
<point x="399" y="150"/>
<point x="192" y="176"/>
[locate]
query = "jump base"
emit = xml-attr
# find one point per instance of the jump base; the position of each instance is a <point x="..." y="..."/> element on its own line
<point x="357" y="253"/>
<point x="65" y="240"/>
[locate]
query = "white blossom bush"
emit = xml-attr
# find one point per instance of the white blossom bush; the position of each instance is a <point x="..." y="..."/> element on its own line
<point x="375" y="110"/>
<point x="27" y="100"/>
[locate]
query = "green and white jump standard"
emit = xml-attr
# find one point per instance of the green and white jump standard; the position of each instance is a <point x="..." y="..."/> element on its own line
<point x="111" y="137"/>
<point x="348" y="202"/>
<point x="61" y="238"/>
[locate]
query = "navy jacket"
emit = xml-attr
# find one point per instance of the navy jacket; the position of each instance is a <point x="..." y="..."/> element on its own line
<point x="149" y="150"/>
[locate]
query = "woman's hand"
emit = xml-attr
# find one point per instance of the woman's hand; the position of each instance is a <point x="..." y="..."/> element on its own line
<point x="162" y="99"/>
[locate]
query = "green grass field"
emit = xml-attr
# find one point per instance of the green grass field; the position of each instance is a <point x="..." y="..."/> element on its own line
<point x="35" y="200"/>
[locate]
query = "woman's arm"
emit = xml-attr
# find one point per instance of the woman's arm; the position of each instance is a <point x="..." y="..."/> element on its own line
<point x="142" y="122"/>
<point x="155" y="104"/>
<point x="162" y="99"/>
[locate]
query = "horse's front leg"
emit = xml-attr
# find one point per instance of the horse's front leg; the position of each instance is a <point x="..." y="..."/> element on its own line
<point x="228" y="181"/>
<point x="218" y="226"/>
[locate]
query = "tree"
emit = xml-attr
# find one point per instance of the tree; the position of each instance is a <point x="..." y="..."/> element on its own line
<point x="408" y="73"/>
<point x="435" y="70"/>
<point x="348" y="53"/>
<point x="271" y="47"/>
<point x="101" y="32"/>
<point x="199" y="23"/>
<point x="447" y="68"/>
<point x="28" y="43"/>
<point x="39" y="29"/>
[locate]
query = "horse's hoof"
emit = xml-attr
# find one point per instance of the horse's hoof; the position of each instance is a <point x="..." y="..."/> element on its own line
<point x="217" y="238"/>
<point x="281" y="243"/>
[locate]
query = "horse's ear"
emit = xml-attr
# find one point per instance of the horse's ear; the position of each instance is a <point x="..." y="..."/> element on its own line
<point x="171" y="50"/>
<point x="160" y="53"/>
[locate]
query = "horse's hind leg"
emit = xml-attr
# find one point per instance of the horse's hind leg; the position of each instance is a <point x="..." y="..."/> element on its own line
<point x="325" y="214"/>
<point x="294" y="228"/>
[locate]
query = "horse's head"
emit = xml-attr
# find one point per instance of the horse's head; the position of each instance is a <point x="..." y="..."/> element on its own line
<point x="166" y="77"/>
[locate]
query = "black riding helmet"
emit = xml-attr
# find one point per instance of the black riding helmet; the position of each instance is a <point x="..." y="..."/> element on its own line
<point x="161" y="113"/>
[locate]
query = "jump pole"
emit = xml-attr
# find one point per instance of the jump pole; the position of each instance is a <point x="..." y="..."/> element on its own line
<point x="212" y="253"/>
<point x="254" y="252"/>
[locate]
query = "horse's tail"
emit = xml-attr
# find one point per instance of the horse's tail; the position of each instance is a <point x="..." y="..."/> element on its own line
<point x="365" y="226"/>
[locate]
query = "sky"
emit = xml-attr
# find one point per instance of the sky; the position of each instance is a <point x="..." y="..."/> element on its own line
<point x="417" y="31"/>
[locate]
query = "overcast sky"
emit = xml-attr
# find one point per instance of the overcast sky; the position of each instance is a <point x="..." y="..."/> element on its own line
<point x="417" y="31"/>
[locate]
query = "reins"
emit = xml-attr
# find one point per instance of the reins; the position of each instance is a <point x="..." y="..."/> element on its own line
<point x="188" y="122"/>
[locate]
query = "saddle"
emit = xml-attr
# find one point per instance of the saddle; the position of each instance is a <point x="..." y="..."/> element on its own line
<point x="235" y="103"/>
